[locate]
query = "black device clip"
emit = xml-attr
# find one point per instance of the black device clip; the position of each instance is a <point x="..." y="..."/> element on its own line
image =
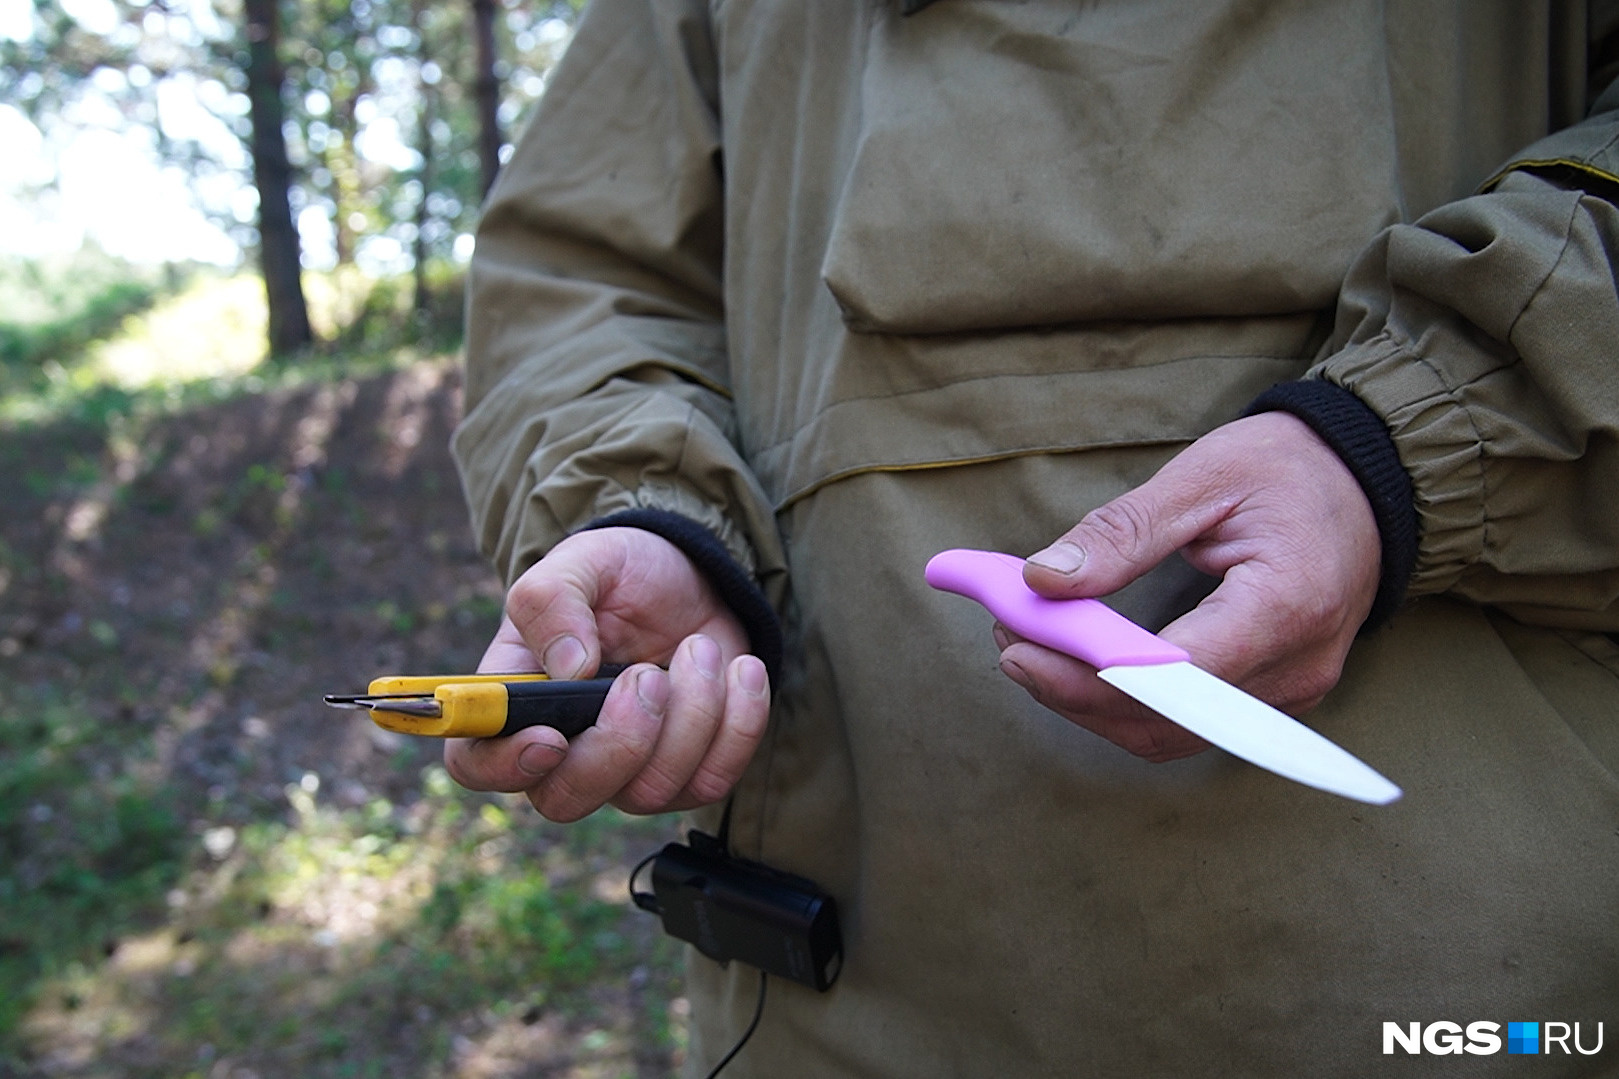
<point x="732" y="908"/>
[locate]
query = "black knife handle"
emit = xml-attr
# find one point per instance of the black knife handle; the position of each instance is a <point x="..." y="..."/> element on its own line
<point x="569" y="705"/>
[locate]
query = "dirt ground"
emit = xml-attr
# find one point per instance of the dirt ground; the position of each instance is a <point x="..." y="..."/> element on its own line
<point x="240" y="560"/>
<point x="200" y="578"/>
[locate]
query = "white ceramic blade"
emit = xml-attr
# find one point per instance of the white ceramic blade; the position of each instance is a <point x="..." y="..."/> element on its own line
<point x="1251" y="729"/>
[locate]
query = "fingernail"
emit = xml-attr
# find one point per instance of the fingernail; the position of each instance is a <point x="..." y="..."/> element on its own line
<point x="706" y="654"/>
<point x="1061" y="557"/>
<point x="752" y="678"/>
<point x="1020" y="676"/>
<point x="564" y="657"/>
<point x="1003" y="640"/>
<point x="652" y="689"/>
<point x="539" y="759"/>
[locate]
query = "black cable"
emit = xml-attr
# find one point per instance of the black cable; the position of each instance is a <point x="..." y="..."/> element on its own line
<point x="645" y="900"/>
<point x="724" y="833"/>
<point x="649" y="902"/>
<point x="758" y="1010"/>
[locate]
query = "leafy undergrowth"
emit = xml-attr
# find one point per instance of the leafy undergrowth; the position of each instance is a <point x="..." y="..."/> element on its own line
<point x="203" y="871"/>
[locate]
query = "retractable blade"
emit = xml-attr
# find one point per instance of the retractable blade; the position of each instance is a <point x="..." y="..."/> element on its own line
<point x="481" y="705"/>
<point x="1159" y="675"/>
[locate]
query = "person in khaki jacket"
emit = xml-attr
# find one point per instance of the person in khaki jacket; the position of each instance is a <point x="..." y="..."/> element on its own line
<point x="776" y="300"/>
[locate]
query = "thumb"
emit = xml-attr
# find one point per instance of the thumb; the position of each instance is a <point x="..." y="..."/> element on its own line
<point x="550" y="610"/>
<point x="507" y="654"/>
<point x="1121" y="540"/>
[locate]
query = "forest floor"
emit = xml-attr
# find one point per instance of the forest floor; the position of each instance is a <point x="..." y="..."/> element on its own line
<point x="206" y="872"/>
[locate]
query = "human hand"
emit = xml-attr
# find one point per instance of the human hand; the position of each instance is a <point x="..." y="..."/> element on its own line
<point x="665" y="739"/>
<point x="1269" y="508"/>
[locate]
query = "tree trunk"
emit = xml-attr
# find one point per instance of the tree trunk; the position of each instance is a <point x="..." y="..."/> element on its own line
<point x="279" y="253"/>
<point x="426" y="96"/>
<point x="487" y="87"/>
<point x="422" y="298"/>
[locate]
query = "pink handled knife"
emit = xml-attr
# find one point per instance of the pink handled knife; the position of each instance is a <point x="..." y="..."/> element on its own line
<point x="1159" y="675"/>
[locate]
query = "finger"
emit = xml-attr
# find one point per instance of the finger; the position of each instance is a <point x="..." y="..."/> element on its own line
<point x="607" y="756"/>
<point x="1119" y="541"/>
<point x="552" y="607"/>
<point x="1065" y="684"/>
<point x="509" y="765"/>
<point x="1071" y="688"/>
<point x="691" y="721"/>
<point x="507" y="653"/>
<point x="747" y="714"/>
<point x="1241" y="634"/>
<point x="1057" y="680"/>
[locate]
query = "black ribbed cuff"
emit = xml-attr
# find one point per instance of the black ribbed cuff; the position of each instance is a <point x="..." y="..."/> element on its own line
<point x="733" y="584"/>
<point x="1359" y="436"/>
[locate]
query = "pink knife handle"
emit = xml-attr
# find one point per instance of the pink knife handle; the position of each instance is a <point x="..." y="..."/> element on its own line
<point x="1084" y="628"/>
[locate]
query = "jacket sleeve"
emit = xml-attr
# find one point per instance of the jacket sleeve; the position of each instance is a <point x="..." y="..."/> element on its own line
<point x="597" y="373"/>
<point x="1485" y="335"/>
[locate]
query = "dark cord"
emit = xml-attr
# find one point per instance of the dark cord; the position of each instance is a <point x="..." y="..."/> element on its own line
<point x="648" y="901"/>
<point x="758" y="1010"/>
<point x="645" y="900"/>
<point x="724" y="834"/>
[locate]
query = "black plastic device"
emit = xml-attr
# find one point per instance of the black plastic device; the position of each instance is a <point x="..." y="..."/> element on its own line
<point x="731" y="908"/>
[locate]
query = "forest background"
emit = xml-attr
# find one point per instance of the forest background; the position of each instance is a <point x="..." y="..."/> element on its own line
<point x="227" y="492"/>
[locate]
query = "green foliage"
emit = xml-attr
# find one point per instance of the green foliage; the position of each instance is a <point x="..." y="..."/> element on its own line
<point x="181" y="894"/>
<point x="84" y="849"/>
<point x="411" y="66"/>
<point x="539" y="933"/>
<point x="388" y="317"/>
<point x="382" y="120"/>
<point x="51" y="313"/>
<point x="341" y="939"/>
<point x="197" y="340"/>
<point x="47" y="70"/>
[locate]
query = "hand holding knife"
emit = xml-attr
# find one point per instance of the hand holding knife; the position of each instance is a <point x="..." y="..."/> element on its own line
<point x="480" y="705"/>
<point x="1159" y="674"/>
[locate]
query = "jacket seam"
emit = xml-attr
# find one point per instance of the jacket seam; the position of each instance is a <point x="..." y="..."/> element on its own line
<point x="1574" y="164"/>
<point x="1517" y="359"/>
<point x="899" y="395"/>
<point x="954" y="462"/>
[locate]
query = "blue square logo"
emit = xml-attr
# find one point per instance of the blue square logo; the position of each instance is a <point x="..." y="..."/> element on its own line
<point x="1523" y="1037"/>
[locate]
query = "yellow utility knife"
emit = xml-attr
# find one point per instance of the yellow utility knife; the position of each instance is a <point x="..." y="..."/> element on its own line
<point x="480" y="705"/>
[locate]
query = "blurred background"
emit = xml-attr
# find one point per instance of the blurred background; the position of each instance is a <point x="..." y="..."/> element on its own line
<point x="232" y="237"/>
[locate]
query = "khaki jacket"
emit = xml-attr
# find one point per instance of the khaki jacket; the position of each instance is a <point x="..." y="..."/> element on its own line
<point x="850" y="287"/>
